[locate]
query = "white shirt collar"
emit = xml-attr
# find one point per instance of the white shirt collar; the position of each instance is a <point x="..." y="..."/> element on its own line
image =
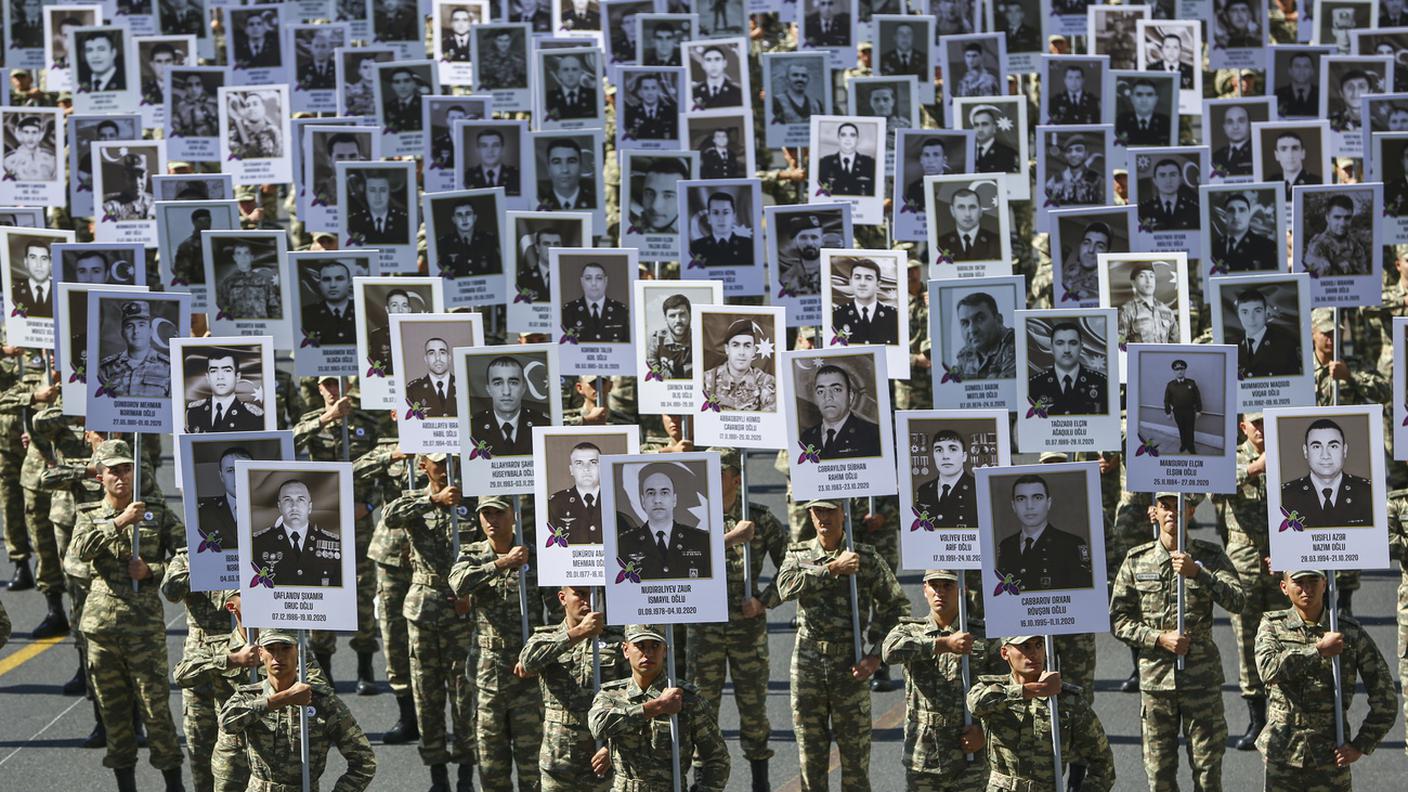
<point x="1034" y="535"/>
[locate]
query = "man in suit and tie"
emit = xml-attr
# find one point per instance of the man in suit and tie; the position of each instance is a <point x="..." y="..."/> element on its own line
<point x="1069" y="387"/>
<point x="566" y="189"/>
<point x="401" y="110"/>
<point x="594" y="317"/>
<point x="1328" y="496"/>
<point x="578" y="507"/>
<point x="721" y="247"/>
<point x="507" y="425"/>
<point x="847" y="171"/>
<point x="435" y="390"/>
<point x="990" y="155"/>
<point x="454" y="45"/>
<point x="716" y="90"/>
<point x="1238" y="248"/>
<point x="841" y="434"/>
<point x="1020" y="36"/>
<point x="904" y="59"/>
<point x="1041" y="556"/>
<point x="663" y="547"/>
<point x="718" y="160"/>
<point x="295" y="551"/>
<point x="1235" y="158"/>
<point x="374" y="217"/>
<point x="1143" y="125"/>
<point x="223" y="411"/>
<point x="828" y="26"/>
<point x="256" y="49"/>
<point x="1075" y="105"/>
<point x="1266" y="350"/>
<point x="1170" y="208"/>
<point x="218" y="514"/>
<point x="951" y="499"/>
<point x="574" y="96"/>
<point x="491" y="170"/>
<point x="332" y="318"/>
<point x="101" y="65"/>
<point x="969" y="241"/>
<point x="1169" y="58"/>
<point x="864" y="319"/>
<point x="33" y="291"/>
<point x="469" y="249"/>
<point x="1301" y="97"/>
<point x="319" y="73"/>
<point x="1290" y="159"/>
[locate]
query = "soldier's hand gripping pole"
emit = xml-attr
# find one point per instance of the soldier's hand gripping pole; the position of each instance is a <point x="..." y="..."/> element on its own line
<point x="523" y="570"/>
<point x="1054" y="707"/>
<point x="675" y="718"/>
<point x="136" y="495"/>
<point x="303" y="711"/>
<point x="1179" y="580"/>
<point x="964" y="672"/>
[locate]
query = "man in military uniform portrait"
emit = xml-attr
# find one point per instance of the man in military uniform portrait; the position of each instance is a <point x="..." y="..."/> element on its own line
<point x="141" y="370"/>
<point x="565" y="189"/>
<point x="1169" y="57"/>
<point x="398" y="301"/>
<point x="295" y="551"/>
<point x="1289" y="155"/>
<point x="721" y="246"/>
<point x="246" y="292"/>
<point x="491" y="170"/>
<point x="1080" y="276"/>
<point x="717" y="157"/>
<point x="31" y="286"/>
<point x="594" y="317"/>
<point x="502" y="64"/>
<point x="469" y="249"/>
<point x="534" y="275"/>
<point x="219" y="514"/>
<point x="1238" y="247"/>
<point x="800" y="272"/>
<point x="1183" y="401"/>
<point x="651" y="114"/>
<point x="256" y="40"/>
<point x="317" y="71"/>
<point x="738" y="384"/>
<point x="29" y="159"/>
<point x="1235" y="158"/>
<point x="989" y="348"/>
<point x="1075" y="104"/>
<point x="977" y="79"/>
<point x="904" y="57"/>
<point x="1144" y="319"/>
<point x="951" y="499"/>
<point x="1040" y="556"/>
<point x="1345" y="103"/>
<point x="664" y="46"/>
<point x="223" y="411"/>
<point x="847" y="171"/>
<point x="1299" y="98"/>
<point x="1076" y="184"/>
<point x="1328" y="496"/>
<point x="716" y="90"/>
<point x="400" y="106"/>
<point x="434" y="391"/>
<point x="373" y="215"/>
<point x="864" y="319"/>
<point x="578" y="507"/>
<point x="990" y="155"/>
<point x="454" y="42"/>
<point x="507" y="424"/>
<point x="669" y="350"/>
<point x="1337" y="249"/>
<point x="1069" y="386"/>
<point x="1172" y="207"/>
<point x="969" y="241"/>
<point x="795" y="104"/>
<point x="841" y="434"/>
<point x="194" y="112"/>
<point x="1142" y="124"/>
<point x="1266" y="350"/>
<point x="662" y="546"/>
<point x="828" y="26"/>
<point x="1236" y="26"/>
<point x="933" y="161"/>
<point x="1021" y="37"/>
<point x="331" y="319"/>
<point x="573" y="95"/>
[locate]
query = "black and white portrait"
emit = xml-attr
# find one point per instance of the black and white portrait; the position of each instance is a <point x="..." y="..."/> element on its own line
<point x="718" y="75"/>
<point x="944" y="453"/>
<point x="465" y="228"/>
<point x="864" y="298"/>
<point x="397" y="21"/>
<point x="722" y="225"/>
<point x="595" y="295"/>
<point x="31" y="274"/>
<point x="660" y="35"/>
<point x="127" y="180"/>
<point x="739" y="355"/>
<point x="327" y="311"/>
<point x="1228" y="132"/>
<point x="1167" y="189"/>
<point x="533" y="238"/>
<point x="98" y="263"/>
<point x="194" y="110"/>
<point x="224" y="387"/>
<point x="1149" y="292"/>
<point x="502" y="63"/>
<point x="653" y="206"/>
<point x="973" y="65"/>
<point x="454" y="23"/>
<point x="1338" y="233"/>
<point x="1346" y="80"/>
<point x="29" y="146"/>
<point x="662" y="519"/>
<point x="1265" y="321"/>
<point x="491" y="155"/>
<point x="402" y="87"/>
<point x="837" y="407"/>
<point x="1067" y="363"/>
<point x="903" y="47"/>
<point x="378" y="206"/>
<point x="798" y="87"/>
<point x="247" y="277"/>
<point x="577" y="16"/>
<point x="1077" y="240"/>
<point x="313" y="49"/>
<point x="429" y="374"/>
<point x="1326" y="472"/>
<point x="295" y="527"/>
<point x="1146" y="111"/>
<point x="181" y="224"/>
<point x="848" y="156"/>
<point x="668" y="328"/>
<point x="649" y="104"/>
<point x="357" y="69"/>
<point x="998" y="135"/>
<point x="329" y="147"/>
<point x="1174" y="46"/>
<point x="156" y="55"/>
<point x="1114" y="34"/>
<point x="255" y="127"/>
<point x="571" y="87"/>
<point x="1293" y="154"/>
<point x="1076" y="83"/>
<point x="443" y="112"/>
<point x="724" y="142"/>
<point x="891" y="98"/>
<point x="255" y="39"/>
<point x="802" y="233"/>
<point x="1075" y="168"/>
<point x="1244" y="230"/>
<point x="827" y="24"/>
<point x="572" y="470"/>
<point x="928" y="152"/>
<point x="509" y="393"/>
<point x="1020" y="23"/>
<point x="1293" y="78"/>
<point x="102" y="59"/>
<point x="621" y="19"/>
<point x="722" y="18"/>
<point x="133" y="338"/>
<point x="382" y="301"/>
<point x="967" y="221"/>
<point x="975" y="331"/>
<point x="1041" y="526"/>
<point x="1181" y="402"/>
<point x="567" y="168"/>
<point x="1238" y="24"/>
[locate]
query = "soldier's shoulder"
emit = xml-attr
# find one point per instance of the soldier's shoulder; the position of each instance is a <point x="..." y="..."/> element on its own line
<point x="1277" y="616"/>
<point x="252" y="687"/>
<point x="198" y="404"/>
<point x="993" y="679"/>
<point x="1142" y="548"/>
<point x="799" y="547"/>
<point x="547" y="629"/>
<point x="911" y="621"/>
<point x="615" y="685"/>
<point x="253" y="409"/>
<point x="1204" y="546"/>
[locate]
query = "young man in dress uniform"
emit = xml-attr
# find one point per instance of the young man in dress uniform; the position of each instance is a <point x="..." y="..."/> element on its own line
<point x="595" y="317"/>
<point x="951" y="499"/>
<point x="1068" y="386"/>
<point x="296" y="552"/>
<point x="1039" y="555"/>
<point x="223" y="411"/>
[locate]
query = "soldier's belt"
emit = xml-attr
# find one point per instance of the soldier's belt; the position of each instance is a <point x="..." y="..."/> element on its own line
<point x="430" y="579"/>
<point x="1304" y="720"/>
<point x="260" y="785"/>
<point x="565" y="717"/>
<point x="1006" y="782"/>
<point x="843" y="647"/>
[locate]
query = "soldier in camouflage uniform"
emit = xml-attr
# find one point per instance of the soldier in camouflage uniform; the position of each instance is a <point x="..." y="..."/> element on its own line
<point x="1294" y="648"/>
<point x="561" y="658"/>
<point x="17" y="546"/>
<point x="740" y="645"/>
<point x="1398" y="546"/>
<point x="248" y="293"/>
<point x="318" y="433"/>
<point x="828" y="684"/>
<point x="932" y="650"/>
<point x="1014" y="711"/>
<point x="509" y="707"/>
<point x="1143" y="611"/>
<point x="125" y="629"/>
<point x="917" y="392"/>
<point x="141" y="370"/>
<point x="438" y="623"/>
<point x="266" y="715"/>
<point x="632" y="716"/>
<point x="32" y="393"/>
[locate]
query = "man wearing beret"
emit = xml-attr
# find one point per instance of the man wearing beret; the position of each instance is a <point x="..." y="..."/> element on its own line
<point x="1076" y="184"/>
<point x="736" y="384"/>
<point x="841" y="434"/>
<point x="864" y="319"/>
<point x="1069" y="387"/>
<point x="1183" y="401"/>
<point x="142" y="371"/>
<point x="662" y="546"/>
<point x="223" y="411"/>
<point x="1039" y="555"/>
<point x="1328" y="496"/>
<point x="1143" y="319"/>
<point x="507" y="424"/>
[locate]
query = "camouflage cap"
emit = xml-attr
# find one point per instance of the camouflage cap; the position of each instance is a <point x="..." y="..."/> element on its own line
<point x="112" y="453"/>
<point x="940" y="574"/>
<point x="635" y="633"/>
<point x="729" y="457"/>
<point x="492" y="502"/>
<point x="1253" y="416"/>
<point x="133" y="310"/>
<point x="1162" y="495"/>
<point x="269" y="636"/>
<point x="1303" y="573"/>
<point x="1051" y="457"/>
<point x="438" y="457"/>
<point x="1323" y="320"/>
<point x="246" y="192"/>
<point x="1017" y="640"/>
<point x="822" y="504"/>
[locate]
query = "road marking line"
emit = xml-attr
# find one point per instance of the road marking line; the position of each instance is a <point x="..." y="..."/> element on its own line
<point x="35" y="736"/>
<point x="29" y="653"/>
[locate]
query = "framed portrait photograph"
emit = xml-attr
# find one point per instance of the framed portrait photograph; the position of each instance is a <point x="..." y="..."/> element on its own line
<point x="1239" y="35"/>
<point x="919" y="154"/>
<point x="1066" y="362"/>
<point x="572" y="95"/>
<point x="122" y="181"/>
<point x="795" y="240"/>
<point x="1388" y="163"/>
<point x="1023" y="26"/>
<point x="718" y="74"/>
<point x="735" y="375"/>
<point x="724" y="19"/>
<point x="247" y="276"/>
<point x="1387" y="39"/>
<point x="254" y="45"/>
<point x="830" y="26"/>
<point x="1112" y="32"/>
<point x="129" y="335"/>
<point x="493" y="153"/>
<point x="1267" y="317"/>
<point x="967" y="226"/>
<point x="375" y="301"/>
<point x="399" y="24"/>
<point x="977" y="64"/>
<point x="313" y="48"/>
<point x="890" y="98"/>
<point x="1149" y="292"/>
<point x="798" y="86"/>
<point x="845" y="164"/>
<point x="57" y="21"/>
<point x="1339" y="243"/>
<point x="722" y="238"/>
<point x="838" y="425"/>
<point x="225" y="384"/>
<point x="592" y="303"/>
<point x="649" y="106"/>
<point x="1347" y="79"/>
<point x="194" y="187"/>
<point x="1040" y="530"/>
<point x="905" y="46"/>
<point x="1399" y="328"/>
<point x="255" y="138"/>
<point x="665" y="317"/>
<point x="181" y="251"/>
<point x="31" y="143"/>
<point x="938" y="452"/>
<point x="1380" y="113"/>
<point x="622" y="27"/>
<point x="99" y="263"/>
<point x="422" y="345"/>
<point x="973" y="324"/>
<point x="577" y="19"/>
<point x="499" y="56"/>
<point x="1325" y="485"/>
<point x="378" y="209"/>
<point x="659" y="35"/>
<point x="157" y="55"/>
<point x="323" y="148"/>
<point x="442" y="115"/>
<point x="356" y="78"/>
<point x="192" y="111"/>
<point x="650" y="194"/>
<point x="1182" y="426"/>
<point x="1174" y="46"/>
<point x="531" y="236"/>
<point x="354" y="13"/>
<point x="71" y="340"/>
<point x="293" y="532"/>
<point x="1072" y="168"/>
<point x="1332" y="20"/>
<point x="567" y="497"/>
<point x="1292" y="76"/>
<point x="1243" y="228"/>
<point x="1144" y="109"/>
<point x="83" y="130"/>
<point x="188" y="17"/>
<point x="1227" y="130"/>
<point x="1078" y="237"/>
<point x="26" y="256"/>
<point x="211" y="504"/>
<point x="724" y="141"/>
<point x="105" y="69"/>
<point x="504" y="393"/>
<point x="569" y="168"/>
<point x="463" y="229"/>
<point x="324" y="311"/>
<point x="1076" y="84"/>
<point x="1295" y="153"/>
<point x="1163" y="185"/>
<point x="398" y="91"/>
<point x="451" y="43"/>
<point x="999" y="140"/>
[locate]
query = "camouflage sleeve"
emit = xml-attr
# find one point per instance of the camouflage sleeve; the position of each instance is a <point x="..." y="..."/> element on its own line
<point x="905" y="644"/>
<point x="48" y="423"/>
<point x="473" y="570"/>
<point x="775" y="542"/>
<point x="305" y="429"/>
<point x="1126" y="616"/>
<point x="610" y="715"/>
<point x="94" y="538"/>
<point x="352" y="743"/>
<point x="173" y="539"/>
<point x="1221" y="577"/>
<point x="1371" y="386"/>
<point x="176" y="583"/>
<point x="1378" y="681"/>
<point x="1397" y="528"/>
<point x="17" y="397"/>
<point x="542" y="648"/>
<point x="1093" y="747"/>
<point x="242" y="710"/>
<point x="991" y="694"/>
<point x="888" y="604"/>
<point x="796" y="578"/>
<point x="711" y="759"/>
<point x="405" y="510"/>
<point x="59" y="476"/>
<point x="369" y="467"/>
<point x="1274" y="660"/>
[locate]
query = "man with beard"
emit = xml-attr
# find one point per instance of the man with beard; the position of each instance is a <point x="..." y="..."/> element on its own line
<point x="716" y="90"/>
<point x="467" y="250"/>
<point x="989" y="347"/>
<point x="1337" y="250"/>
<point x="434" y="390"/>
<point x="1235" y="158"/>
<point x="507" y="424"/>
<point x="951" y="499"/>
<point x="1145" y="320"/>
<point x="331" y="319"/>
<point x="1079" y="271"/>
<point x="656" y="210"/>
<point x="989" y="154"/>
<point x="1074" y="105"/>
<point x="492" y="171"/>
<point x="801" y="274"/>
<point x="1171" y="207"/>
<point x="841" y="433"/>
<point x="1069" y="387"/>
<point x="594" y="317"/>
<point x="795" y="105"/>
<point x="1076" y="184"/>
<point x="1237" y="20"/>
<point x="223" y="411"/>
<point x="1238" y="248"/>
<point x="669" y="349"/>
<point x="297" y="552"/>
<point x="969" y="241"/>
<point x="662" y="546"/>
<point x="574" y="95"/>
<point x="933" y="161"/>
<point x="1143" y="125"/>
<point x="565" y="189"/>
<point x="653" y="116"/>
<point x="721" y="246"/>
<point x="736" y="384"/>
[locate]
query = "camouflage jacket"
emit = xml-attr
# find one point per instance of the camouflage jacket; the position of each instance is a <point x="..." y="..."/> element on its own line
<point x="1300" y="713"/>
<point x="640" y="746"/>
<point x="564" y="669"/>
<point x="67" y="480"/>
<point x="1144" y="603"/>
<point x="934" y="692"/>
<point x="271" y="738"/>
<point x="1018" y="732"/>
<point x="380" y="480"/>
<point x="1246" y="508"/>
<point x="1364" y="386"/>
<point x="10" y="424"/>
<point x="769" y="541"/>
<point x="493" y="594"/>
<point x="428" y="528"/>
<point x="112" y="606"/>
<point x="324" y="443"/>
<point x="824" y="600"/>
<point x="204" y="657"/>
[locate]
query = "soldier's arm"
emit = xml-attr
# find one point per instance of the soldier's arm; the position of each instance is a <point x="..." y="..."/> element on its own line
<point x="1093" y="747"/>
<point x="173" y="540"/>
<point x="176" y="583"/>
<point x="988" y="696"/>
<point x="17" y="397"/>
<point x="542" y="648"/>
<point x="775" y="542"/>
<point x="1378" y="681"/>
<point x="94" y="538"/>
<point x="1220" y="577"/>
<point x="243" y="709"/>
<point x="62" y="475"/>
<point x="611" y="715"/>
<point x="48" y="423"/>
<point x="889" y="606"/>
<point x="305" y="430"/>
<point x="1276" y="661"/>
<point x="1126" y="616"/>
<point x="473" y="570"/>
<point x="710" y="751"/>
<point x="352" y="743"/>
<point x="904" y="644"/>
<point x="406" y="511"/>
<point x="796" y="578"/>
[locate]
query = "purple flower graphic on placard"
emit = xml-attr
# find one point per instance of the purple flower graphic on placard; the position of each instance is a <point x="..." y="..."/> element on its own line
<point x="824" y="189"/>
<point x="232" y="158"/>
<point x="656" y="373"/>
<point x="1007" y="584"/>
<point x="1219" y="267"/>
<point x="209" y="540"/>
<point x="481" y="450"/>
<point x="263" y="576"/>
<point x="942" y="256"/>
<point x="80" y="373"/>
<point x="910" y="207"/>
<point x="375" y="367"/>
<point x="840" y="337"/>
<point x="696" y="262"/>
<point x="810" y="453"/>
<point x="569" y="337"/>
<point x="710" y="403"/>
<point x="1219" y="172"/>
<point x="950" y="374"/>
<point x="921" y="520"/>
<point x="629" y="571"/>
<point x="8" y="177"/>
<point x="180" y="282"/>
<point x="1293" y="520"/>
<point x="1038" y="407"/>
<point x="104" y="390"/>
<point x="220" y="314"/>
<point x="557" y="535"/>
<point x="1145" y="228"/>
<point x="311" y="338"/>
<point x="108" y="218"/>
<point x="1147" y="446"/>
<point x="416" y="410"/>
<point x="785" y="292"/>
<point x="523" y="296"/>
<point x="20" y="311"/>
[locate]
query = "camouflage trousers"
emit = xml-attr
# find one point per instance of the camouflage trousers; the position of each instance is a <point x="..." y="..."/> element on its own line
<point x="200" y="720"/>
<point x="1403" y="642"/>
<point x="392" y="585"/>
<point x="827" y="705"/>
<point x="78" y="595"/>
<point x="508" y="725"/>
<point x="127" y="671"/>
<point x="564" y="761"/>
<point x="740" y="650"/>
<point x="439" y="651"/>
<point x="364" y="639"/>
<point x="229" y="765"/>
<point x="48" y="566"/>
<point x="1075" y="659"/>
<point x="1199" y="711"/>
<point x="973" y="778"/>
<point x="1263" y="592"/>
<point x="1325" y="778"/>
<point x="17" y="545"/>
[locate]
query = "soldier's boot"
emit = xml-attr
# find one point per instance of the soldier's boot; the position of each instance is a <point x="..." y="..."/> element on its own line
<point x="23" y="579"/>
<point x="1131" y="685"/>
<point x="881" y="682"/>
<point x="325" y="662"/>
<point x="1256" y="721"/>
<point x="366" y="680"/>
<point x="173" y="781"/>
<point x="760" y="775"/>
<point x="126" y="778"/>
<point x="1075" y="777"/>
<point x="439" y="778"/>
<point x="79" y="684"/>
<point x="98" y="738"/>
<point x="55" y="621"/>
<point x="1346" y="602"/>
<point x="405" y="729"/>
<point x="464" y="778"/>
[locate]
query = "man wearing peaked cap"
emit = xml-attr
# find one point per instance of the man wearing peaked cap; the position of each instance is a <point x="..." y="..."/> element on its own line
<point x="223" y="411"/>
<point x="507" y="424"/>
<point x="1184" y="402"/>
<point x="142" y="370"/>
<point x="295" y="550"/>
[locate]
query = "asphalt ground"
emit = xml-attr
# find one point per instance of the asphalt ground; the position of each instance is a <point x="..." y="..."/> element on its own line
<point x="41" y="730"/>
